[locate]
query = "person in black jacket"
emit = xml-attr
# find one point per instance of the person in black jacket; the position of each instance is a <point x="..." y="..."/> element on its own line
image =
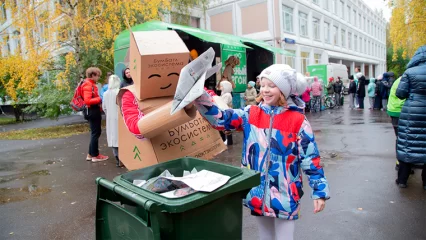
<point x="338" y="86"/>
<point x="352" y="92"/>
<point x="360" y="89"/>
<point x="378" y="97"/>
<point x="127" y="79"/>
<point x="385" y="86"/>
<point x="412" y="120"/>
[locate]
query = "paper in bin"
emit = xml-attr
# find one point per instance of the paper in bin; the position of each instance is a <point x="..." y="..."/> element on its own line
<point x="191" y="80"/>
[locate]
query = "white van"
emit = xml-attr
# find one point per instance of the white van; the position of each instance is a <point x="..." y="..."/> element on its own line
<point x="339" y="70"/>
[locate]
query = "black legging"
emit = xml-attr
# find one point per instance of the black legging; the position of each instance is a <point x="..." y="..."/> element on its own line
<point x="95" y="118"/>
<point x="404" y="172"/>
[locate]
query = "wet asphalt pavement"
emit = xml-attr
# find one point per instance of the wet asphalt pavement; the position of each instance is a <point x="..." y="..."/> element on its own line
<point x="47" y="189"/>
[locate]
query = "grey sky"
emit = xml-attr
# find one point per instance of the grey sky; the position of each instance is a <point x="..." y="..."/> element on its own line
<point x="380" y="4"/>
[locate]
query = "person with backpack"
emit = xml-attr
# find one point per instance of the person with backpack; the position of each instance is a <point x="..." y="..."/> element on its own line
<point x="92" y="113"/>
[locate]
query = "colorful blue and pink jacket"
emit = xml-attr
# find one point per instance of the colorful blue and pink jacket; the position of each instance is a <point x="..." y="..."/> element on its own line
<point x="278" y="143"/>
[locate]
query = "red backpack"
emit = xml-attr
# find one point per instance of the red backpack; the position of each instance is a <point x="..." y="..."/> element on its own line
<point x="77" y="101"/>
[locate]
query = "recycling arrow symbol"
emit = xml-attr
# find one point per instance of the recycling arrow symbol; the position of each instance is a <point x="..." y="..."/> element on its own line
<point x="137" y="152"/>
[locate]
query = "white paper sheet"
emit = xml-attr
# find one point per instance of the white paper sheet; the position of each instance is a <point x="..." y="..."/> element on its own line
<point x="203" y="181"/>
<point x="191" y="80"/>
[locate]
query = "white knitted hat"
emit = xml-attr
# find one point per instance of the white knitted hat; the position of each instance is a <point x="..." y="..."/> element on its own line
<point x="283" y="76"/>
<point x="301" y="84"/>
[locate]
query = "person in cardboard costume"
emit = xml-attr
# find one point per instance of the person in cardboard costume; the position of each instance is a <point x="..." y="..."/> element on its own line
<point x="148" y="134"/>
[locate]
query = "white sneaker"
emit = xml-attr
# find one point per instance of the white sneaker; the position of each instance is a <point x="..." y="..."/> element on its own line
<point x="225" y="142"/>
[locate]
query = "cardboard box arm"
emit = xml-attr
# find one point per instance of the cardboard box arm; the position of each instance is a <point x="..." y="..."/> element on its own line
<point x="160" y="120"/>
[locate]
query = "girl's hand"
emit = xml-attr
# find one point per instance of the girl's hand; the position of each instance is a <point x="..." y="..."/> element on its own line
<point x="319" y="205"/>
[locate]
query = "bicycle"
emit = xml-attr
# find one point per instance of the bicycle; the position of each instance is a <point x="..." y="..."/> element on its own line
<point x="329" y="101"/>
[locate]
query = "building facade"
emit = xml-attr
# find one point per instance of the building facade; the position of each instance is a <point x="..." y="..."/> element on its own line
<point x="317" y="31"/>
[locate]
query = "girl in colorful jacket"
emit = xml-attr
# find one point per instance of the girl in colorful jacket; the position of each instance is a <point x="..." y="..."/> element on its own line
<point x="279" y="143"/>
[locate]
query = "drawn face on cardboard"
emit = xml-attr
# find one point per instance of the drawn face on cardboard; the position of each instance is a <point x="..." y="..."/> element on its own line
<point x="164" y="83"/>
<point x="156" y="59"/>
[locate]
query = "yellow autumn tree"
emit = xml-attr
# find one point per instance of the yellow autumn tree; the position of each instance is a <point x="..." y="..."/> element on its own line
<point x="407" y="26"/>
<point x="20" y="69"/>
<point x="64" y="37"/>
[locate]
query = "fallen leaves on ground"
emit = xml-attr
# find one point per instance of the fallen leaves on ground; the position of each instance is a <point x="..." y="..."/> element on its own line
<point x="48" y="132"/>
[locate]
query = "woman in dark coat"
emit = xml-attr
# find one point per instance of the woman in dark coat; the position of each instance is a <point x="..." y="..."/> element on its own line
<point x="127" y="78"/>
<point x="361" y="89"/>
<point x="412" y="121"/>
<point x="378" y="98"/>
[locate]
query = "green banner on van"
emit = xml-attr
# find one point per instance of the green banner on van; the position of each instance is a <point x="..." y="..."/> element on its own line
<point x="319" y="71"/>
<point x="240" y="71"/>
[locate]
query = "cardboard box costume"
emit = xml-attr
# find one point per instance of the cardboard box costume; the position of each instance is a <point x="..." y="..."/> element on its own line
<point x="156" y="58"/>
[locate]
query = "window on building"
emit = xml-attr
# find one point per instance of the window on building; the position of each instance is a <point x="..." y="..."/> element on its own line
<point x="374" y="49"/>
<point x="365" y="25"/>
<point x="353" y="17"/>
<point x="348" y="17"/>
<point x="369" y="48"/>
<point x="359" y="20"/>
<point x="326" y="32"/>
<point x="304" y="60"/>
<point x="342" y="7"/>
<point x="343" y="33"/>
<point x="326" y="5"/>
<point x="64" y="33"/>
<point x="350" y="40"/>
<point x="195" y="22"/>
<point x="288" y="19"/>
<point x="335" y="35"/>
<point x="375" y="30"/>
<point x="317" y="58"/>
<point x="289" y="60"/>
<point x="61" y="4"/>
<point x="368" y="26"/>
<point x="303" y="24"/>
<point x="3" y="15"/>
<point x="333" y="7"/>
<point x="17" y="40"/>
<point x="44" y="32"/>
<point x="355" y="42"/>
<point x="316" y="2"/>
<point x="365" y="45"/>
<point x="316" y="28"/>
<point x="7" y="40"/>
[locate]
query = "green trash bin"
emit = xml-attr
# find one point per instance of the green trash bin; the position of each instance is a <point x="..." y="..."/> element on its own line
<point x="125" y="211"/>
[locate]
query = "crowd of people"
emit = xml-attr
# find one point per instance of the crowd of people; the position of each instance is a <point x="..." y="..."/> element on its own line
<point x="277" y="101"/>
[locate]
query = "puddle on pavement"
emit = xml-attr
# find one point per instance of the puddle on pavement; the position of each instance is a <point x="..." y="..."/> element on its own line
<point x="24" y="175"/>
<point x="356" y="123"/>
<point x="380" y="120"/>
<point x="8" y="195"/>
